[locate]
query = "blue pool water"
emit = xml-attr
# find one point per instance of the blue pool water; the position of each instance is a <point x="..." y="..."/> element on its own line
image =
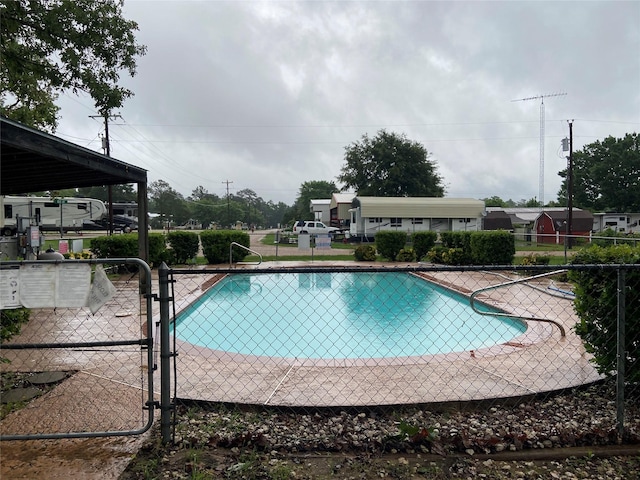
<point x="337" y="315"/>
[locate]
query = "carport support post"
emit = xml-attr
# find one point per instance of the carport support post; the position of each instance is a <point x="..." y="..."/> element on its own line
<point x="621" y="353"/>
<point x="165" y="354"/>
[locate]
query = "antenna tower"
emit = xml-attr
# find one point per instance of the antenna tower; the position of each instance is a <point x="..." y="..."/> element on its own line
<point x="542" y="122"/>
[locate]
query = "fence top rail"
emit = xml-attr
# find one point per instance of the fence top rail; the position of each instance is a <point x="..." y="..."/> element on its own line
<point x="405" y="268"/>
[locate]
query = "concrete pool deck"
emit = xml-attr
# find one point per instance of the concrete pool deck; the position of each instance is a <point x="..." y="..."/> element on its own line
<point x="540" y="360"/>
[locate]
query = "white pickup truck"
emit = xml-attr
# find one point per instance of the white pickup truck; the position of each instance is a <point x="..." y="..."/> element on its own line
<point x="313" y="228"/>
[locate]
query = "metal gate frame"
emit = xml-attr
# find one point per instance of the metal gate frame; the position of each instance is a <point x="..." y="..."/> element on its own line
<point x="145" y="344"/>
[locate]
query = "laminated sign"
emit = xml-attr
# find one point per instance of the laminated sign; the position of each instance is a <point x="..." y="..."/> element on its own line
<point x="101" y="290"/>
<point x="45" y="285"/>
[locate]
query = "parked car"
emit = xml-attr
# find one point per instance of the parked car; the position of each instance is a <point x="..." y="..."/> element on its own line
<point x="313" y="228"/>
<point x="120" y="223"/>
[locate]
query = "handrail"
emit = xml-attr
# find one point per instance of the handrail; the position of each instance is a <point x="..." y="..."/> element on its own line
<point x="246" y="248"/>
<point x="509" y="315"/>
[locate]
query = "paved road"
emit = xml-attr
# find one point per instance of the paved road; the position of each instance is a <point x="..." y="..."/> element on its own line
<point x="285" y="250"/>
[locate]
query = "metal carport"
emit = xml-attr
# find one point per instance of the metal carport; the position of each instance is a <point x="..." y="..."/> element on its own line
<point x="33" y="161"/>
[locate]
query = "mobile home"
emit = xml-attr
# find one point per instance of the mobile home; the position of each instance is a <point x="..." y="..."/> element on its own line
<point x="369" y="215"/>
<point x="65" y="214"/>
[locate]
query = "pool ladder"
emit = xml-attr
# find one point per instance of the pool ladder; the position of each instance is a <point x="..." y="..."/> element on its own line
<point x="514" y="282"/>
<point x="246" y="248"/>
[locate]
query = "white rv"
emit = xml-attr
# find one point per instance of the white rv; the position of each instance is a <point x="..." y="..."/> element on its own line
<point x="67" y="214"/>
<point x="370" y="215"/>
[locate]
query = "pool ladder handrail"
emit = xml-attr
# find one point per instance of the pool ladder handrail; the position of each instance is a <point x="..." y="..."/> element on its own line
<point x="246" y="248"/>
<point x="509" y="315"/>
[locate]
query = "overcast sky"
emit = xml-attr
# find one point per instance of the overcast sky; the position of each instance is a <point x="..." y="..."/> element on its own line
<point x="267" y="95"/>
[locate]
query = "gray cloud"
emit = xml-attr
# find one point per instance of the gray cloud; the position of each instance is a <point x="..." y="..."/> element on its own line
<point x="268" y="94"/>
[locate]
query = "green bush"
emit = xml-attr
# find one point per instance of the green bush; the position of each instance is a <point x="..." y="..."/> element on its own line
<point x="406" y="255"/>
<point x="536" y="259"/>
<point x="492" y="248"/>
<point x="158" y="252"/>
<point x="389" y="243"/>
<point x="596" y="305"/>
<point x="366" y="253"/>
<point x="461" y="242"/>
<point x="115" y="246"/>
<point x="184" y="245"/>
<point x="435" y="255"/>
<point x="11" y="322"/>
<point x="216" y="243"/>
<point x="423" y="242"/>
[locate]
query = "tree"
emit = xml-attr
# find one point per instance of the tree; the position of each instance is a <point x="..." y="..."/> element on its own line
<point x="494" y="201"/>
<point x="119" y="193"/>
<point x="168" y="203"/>
<point x="311" y="190"/>
<point x="389" y="165"/>
<point x="57" y="45"/>
<point x="606" y="175"/>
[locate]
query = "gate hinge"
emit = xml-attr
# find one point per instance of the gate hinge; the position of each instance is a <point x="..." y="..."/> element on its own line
<point x="154" y="404"/>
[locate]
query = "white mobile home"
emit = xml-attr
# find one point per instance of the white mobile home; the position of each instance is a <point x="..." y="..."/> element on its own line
<point x="618" y="222"/>
<point x="369" y="215"/>
<point x="18" y="213"/>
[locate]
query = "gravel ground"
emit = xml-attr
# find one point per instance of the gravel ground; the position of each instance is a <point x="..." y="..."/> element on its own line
<point x="571" y="435"/>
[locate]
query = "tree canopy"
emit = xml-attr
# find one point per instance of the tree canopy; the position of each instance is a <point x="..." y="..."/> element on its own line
<point x="310" y="190"/>
<point x="606" y="175"/>
<point x="390" y="165"/>
<point x="57" y="45"/>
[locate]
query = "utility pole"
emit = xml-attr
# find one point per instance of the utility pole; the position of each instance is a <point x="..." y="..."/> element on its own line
<point x="107" y="151"/>
<point x="567" y="144"/>
<point x="228" y="202"/>
<point x="542" y="128"/>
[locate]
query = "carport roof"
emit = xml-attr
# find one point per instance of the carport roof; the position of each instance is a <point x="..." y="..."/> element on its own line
<point x="33" y="161"/>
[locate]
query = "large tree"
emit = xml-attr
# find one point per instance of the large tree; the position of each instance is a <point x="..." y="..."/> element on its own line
<point x="47" y="47"/>
<point x="390" y="165"/>
<point x="606" y="175"/>
<point x="311" y="190"/>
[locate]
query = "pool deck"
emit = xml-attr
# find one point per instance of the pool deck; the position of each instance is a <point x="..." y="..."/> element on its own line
<point x="540" y="360"/>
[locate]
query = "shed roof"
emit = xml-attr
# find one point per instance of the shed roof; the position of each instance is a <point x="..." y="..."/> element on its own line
<point x="419" y="207"/>
<point x="341" y="198"/>
<point x="33" y="161"/>
<point x="581" y="220"/>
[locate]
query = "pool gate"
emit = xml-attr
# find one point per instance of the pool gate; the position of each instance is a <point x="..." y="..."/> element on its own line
<point x="85" y="359"/>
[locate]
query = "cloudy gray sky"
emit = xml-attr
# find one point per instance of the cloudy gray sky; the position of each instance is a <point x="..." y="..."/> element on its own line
<point x="267" y="95"/>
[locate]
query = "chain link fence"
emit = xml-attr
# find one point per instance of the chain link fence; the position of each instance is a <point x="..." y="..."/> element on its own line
<point x="91" y="373"/>
<point x="300" y="339"/>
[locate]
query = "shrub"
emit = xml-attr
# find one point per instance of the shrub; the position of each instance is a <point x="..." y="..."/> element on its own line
<point x="423" y="242"/>
<point x="596" y="305"/>
<point x="11" y="322"/>
<point x="461" y="242"/>
<point x="436" y="254"/>
<point x="184" y="245"/>
<point x="389" y="243"/>
<point x="158" y="252"/>
<point x="536" y="259"/>
<point x="365" y="253"/>
<point x="406" y="255"/>
<point x="115" y="246"/>
<point x="492" y="248"/>
<point x="216" y="243"/>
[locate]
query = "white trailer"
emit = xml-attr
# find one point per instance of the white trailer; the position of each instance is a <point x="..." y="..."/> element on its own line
<point x="414" y="214"/>
<point x="54" y="214"/>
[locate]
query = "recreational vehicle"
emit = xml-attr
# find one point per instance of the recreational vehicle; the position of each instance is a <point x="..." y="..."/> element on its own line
<point x="56" y="214"/>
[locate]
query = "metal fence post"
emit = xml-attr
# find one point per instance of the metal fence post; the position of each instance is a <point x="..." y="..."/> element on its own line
<point x="165" y="354"/>
<point x="621" y="353"/>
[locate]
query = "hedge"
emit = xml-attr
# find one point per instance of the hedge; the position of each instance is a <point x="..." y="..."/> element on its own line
<point x="423" y="242"/>
<point x="389" y="243"/>
<point x="184" y="245"/>
<point x="596" y="305"/>
<point x="216" y="243"/>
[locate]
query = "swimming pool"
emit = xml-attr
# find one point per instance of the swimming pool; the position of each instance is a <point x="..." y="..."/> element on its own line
<point x="336" y="315"/>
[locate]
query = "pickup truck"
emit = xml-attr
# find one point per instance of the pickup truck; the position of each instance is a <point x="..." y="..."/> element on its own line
<point x="313" y="228"/>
